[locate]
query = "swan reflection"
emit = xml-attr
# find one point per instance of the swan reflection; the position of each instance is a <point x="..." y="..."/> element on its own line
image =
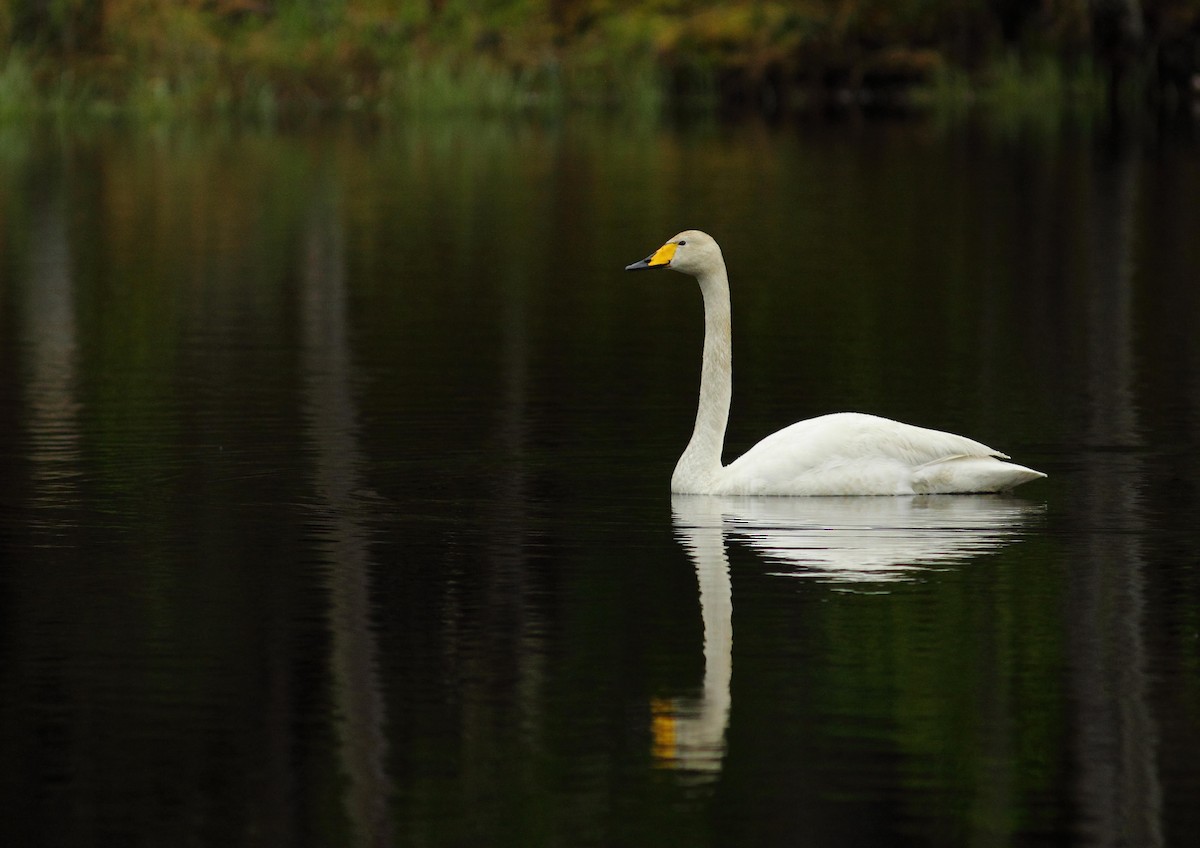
<point x="860" y="539"/>
<point x="852" y="540"/>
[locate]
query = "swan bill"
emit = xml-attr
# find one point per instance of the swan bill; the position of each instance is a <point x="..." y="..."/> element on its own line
<point x="661" y="258"/>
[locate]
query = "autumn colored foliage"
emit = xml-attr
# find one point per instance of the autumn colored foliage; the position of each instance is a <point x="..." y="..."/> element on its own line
<point x="355" y="53"/>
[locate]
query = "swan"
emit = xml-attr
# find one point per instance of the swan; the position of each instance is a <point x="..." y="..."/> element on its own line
<point x="844" y="453"/>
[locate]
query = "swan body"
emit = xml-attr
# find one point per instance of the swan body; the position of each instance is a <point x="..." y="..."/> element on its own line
<point x="845" y="453"/>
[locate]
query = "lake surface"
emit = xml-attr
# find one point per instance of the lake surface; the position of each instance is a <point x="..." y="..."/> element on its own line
<point x="334" y="489"/>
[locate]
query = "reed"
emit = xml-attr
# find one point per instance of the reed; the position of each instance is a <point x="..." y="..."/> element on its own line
<point x="442" y="85"/>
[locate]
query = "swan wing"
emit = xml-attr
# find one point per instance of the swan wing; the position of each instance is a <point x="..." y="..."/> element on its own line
<point x="857" y="454"/>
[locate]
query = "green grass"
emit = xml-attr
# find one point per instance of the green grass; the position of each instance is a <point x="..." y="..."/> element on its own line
<point x="1040" y="94"/>
<point x="630" y="80"/>
<point x="1042" y="90"/>
<point x="19" y="96"/>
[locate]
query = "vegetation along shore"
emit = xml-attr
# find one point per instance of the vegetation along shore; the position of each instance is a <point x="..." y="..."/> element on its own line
<point x="162" y="58"/>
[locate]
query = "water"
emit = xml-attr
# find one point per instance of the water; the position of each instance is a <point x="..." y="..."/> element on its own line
<point x="334" y="490"/>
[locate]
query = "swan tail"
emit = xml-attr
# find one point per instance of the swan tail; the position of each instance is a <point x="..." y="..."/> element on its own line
<point x="965" y="474"/>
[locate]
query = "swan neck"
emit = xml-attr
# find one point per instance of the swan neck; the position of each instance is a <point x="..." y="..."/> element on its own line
<point x="700" y="464"/>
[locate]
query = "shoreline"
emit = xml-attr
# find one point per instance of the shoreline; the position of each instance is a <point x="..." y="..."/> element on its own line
<point x="155" y="61"/>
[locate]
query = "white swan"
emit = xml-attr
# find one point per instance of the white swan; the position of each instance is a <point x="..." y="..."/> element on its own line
<point x="845" y="453"/>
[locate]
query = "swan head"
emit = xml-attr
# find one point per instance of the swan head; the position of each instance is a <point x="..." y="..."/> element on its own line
<point x="691" y="252"/>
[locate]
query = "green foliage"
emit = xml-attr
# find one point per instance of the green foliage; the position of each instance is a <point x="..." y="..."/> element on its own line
<point x="17" y="89"/>
<point x="1038" y="94"/>
<point x="162" y="60"/>
<point x="1042" y="90"/>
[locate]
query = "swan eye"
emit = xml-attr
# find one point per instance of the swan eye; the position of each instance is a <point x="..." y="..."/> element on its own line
<point x="682" y="243"/>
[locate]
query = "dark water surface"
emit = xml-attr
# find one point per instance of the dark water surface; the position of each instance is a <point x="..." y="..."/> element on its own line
<point x="334" y="497"/>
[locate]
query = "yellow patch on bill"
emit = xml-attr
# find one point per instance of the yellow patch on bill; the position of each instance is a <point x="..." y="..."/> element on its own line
<point x="663" y="255"/>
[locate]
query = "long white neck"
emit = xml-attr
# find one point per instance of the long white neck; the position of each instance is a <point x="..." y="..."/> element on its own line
<point x="700" y="465"/>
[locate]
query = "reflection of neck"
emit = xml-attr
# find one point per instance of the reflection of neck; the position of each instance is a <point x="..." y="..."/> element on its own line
<point x="697" y="735"/>
<point x="701" y="460"/>
<point x="716" y="608"/>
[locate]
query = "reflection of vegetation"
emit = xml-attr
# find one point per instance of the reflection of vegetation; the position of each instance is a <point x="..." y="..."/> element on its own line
<point x="159" y="58"/>
<point x="517" y="649"/>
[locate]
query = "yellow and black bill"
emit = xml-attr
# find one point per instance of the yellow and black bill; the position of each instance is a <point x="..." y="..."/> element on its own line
<point x="660" y="258"/>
